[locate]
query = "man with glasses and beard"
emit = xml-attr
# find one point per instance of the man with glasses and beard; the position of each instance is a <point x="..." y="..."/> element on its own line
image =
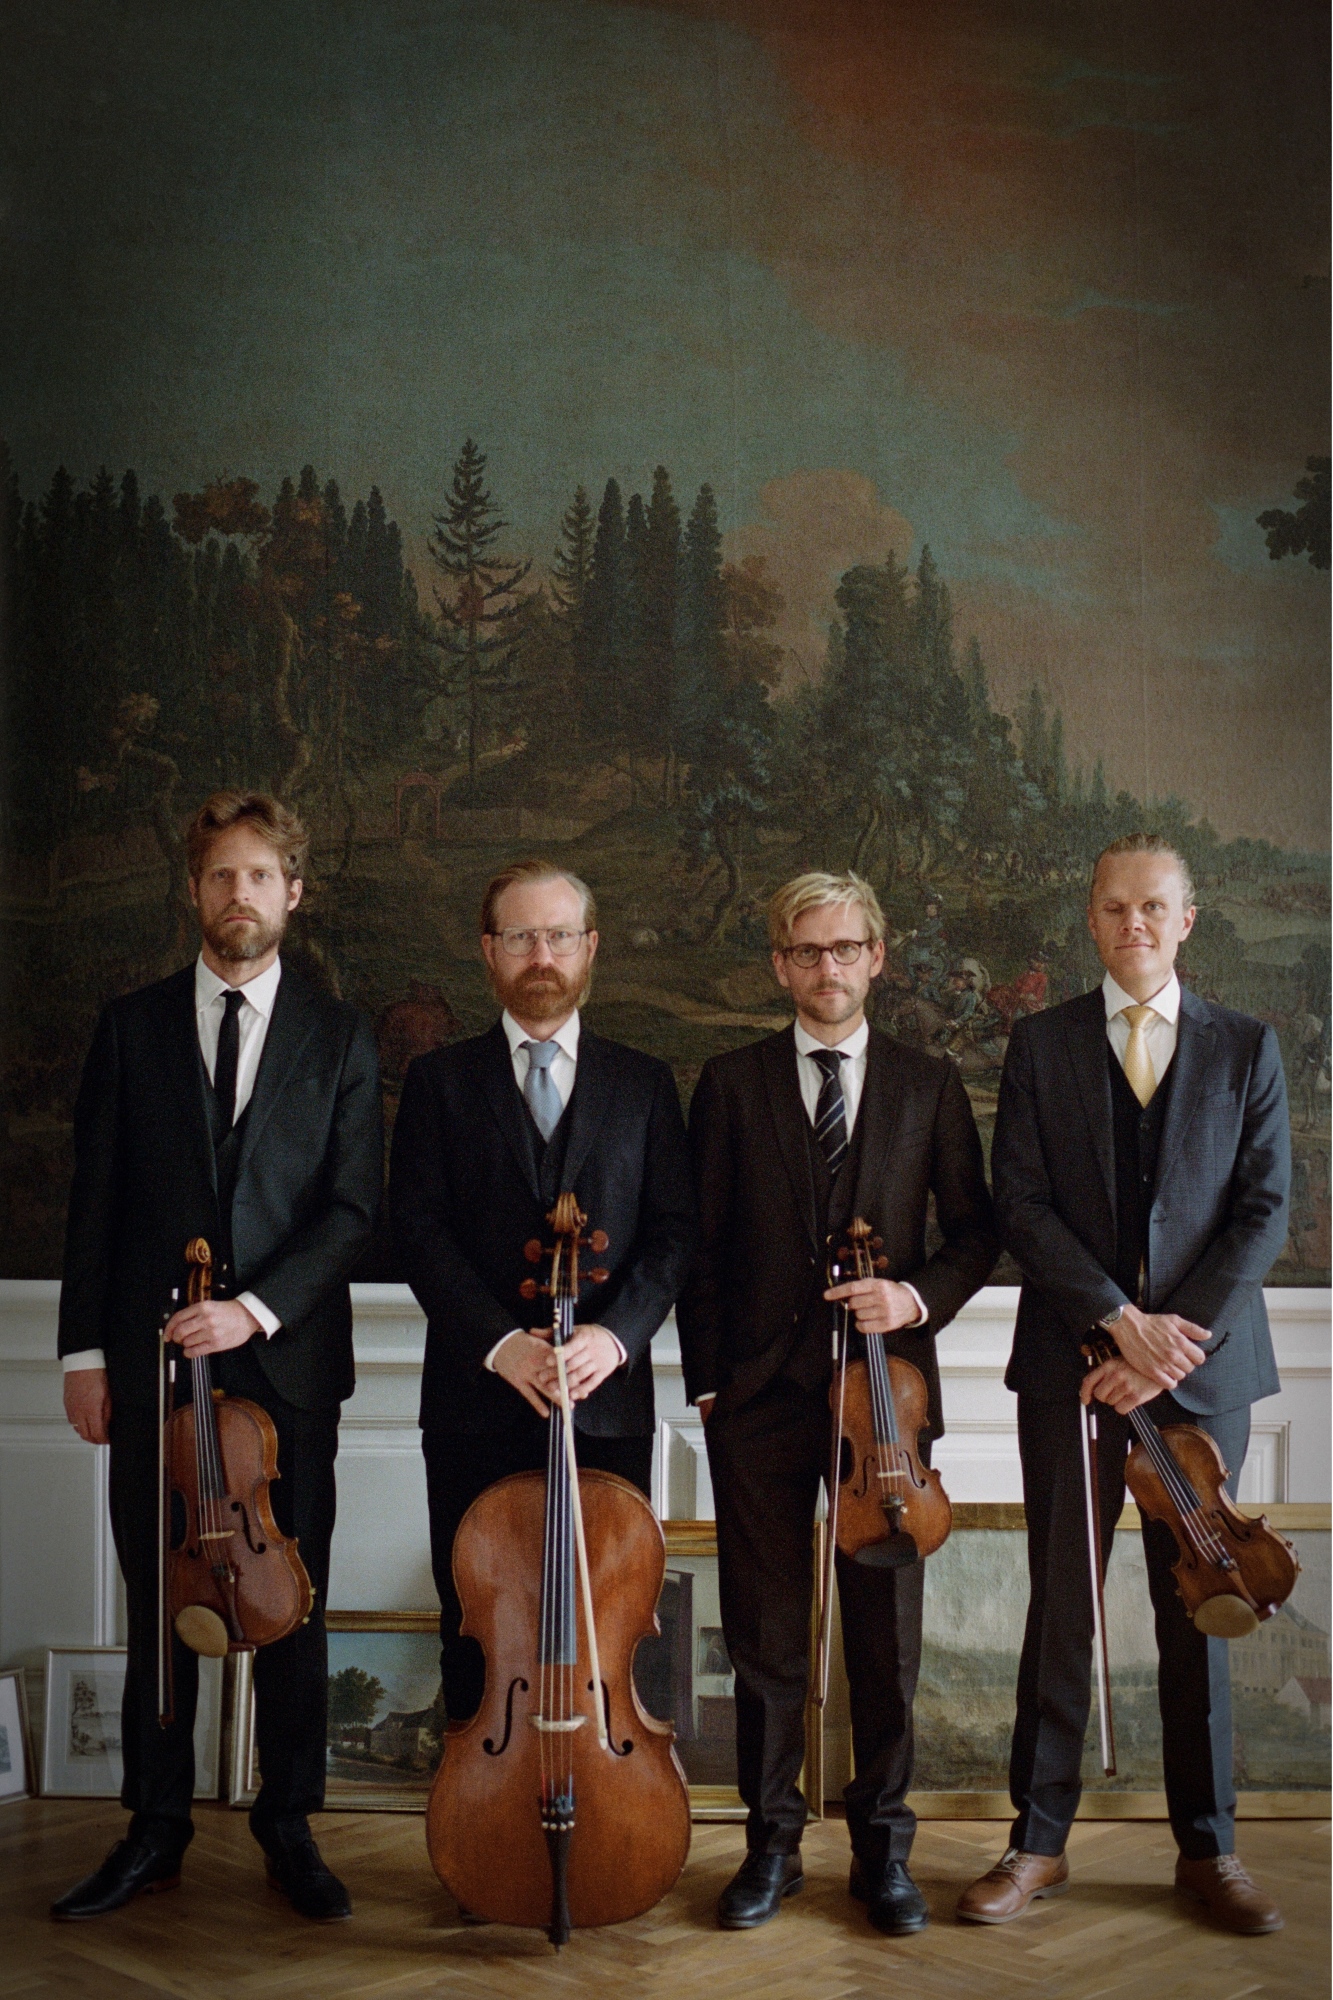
<point x="793" y="1137"/>
<point x="236" y="1102"/>
<point x="489" y="1132"/>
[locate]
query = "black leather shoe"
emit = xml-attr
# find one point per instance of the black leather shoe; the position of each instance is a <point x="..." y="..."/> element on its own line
<point x="314" y="1891"/>
<point x="757" y="1888"/>
<point x="893" y="1902"/>
<point x="136" y="1866"/>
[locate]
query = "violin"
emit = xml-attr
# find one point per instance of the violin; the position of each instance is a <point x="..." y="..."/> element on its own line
<point x="561" y="1803"/>
<point x="1232" y="1572"/>
<point x="228" y="1580"/>
<point x="886" y="1509"/>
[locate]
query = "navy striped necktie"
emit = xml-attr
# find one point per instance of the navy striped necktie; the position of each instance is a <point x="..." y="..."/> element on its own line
<point x="831" y="1109"/>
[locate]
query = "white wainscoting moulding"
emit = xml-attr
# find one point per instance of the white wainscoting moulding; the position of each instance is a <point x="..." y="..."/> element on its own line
<point x="59" y="1580"/>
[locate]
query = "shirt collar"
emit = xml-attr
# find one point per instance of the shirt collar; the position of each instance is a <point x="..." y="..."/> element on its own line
<point x="567" y="1036"/>
<point x="854" y="1046"/>
<point x="261" y="991"/>
<point x="1166" y="1002"/>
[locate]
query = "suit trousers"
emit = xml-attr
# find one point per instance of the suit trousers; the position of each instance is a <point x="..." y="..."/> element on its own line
<point x="459" y="1467"/>
<point x="1055" y="1670"/>
<point x="290" y="1676"/>
<point x="767" y="1459"/>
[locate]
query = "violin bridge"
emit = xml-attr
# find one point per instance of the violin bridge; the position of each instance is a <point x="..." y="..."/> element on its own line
<point x="560" y="1728"/>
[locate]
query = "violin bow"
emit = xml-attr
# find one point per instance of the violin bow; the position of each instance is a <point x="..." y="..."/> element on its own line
<point x="824" y="1648"/>
<point x="1088" y="1435"/>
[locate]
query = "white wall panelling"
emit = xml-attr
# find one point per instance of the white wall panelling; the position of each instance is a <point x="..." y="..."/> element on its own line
<point x="59" y="1583"/>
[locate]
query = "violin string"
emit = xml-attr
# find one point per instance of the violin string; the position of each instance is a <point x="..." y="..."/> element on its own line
<point x="1205" y="1540"/>
<point x="880" y="1388"/>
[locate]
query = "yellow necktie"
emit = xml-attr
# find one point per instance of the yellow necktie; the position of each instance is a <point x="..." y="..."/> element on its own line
<point x="1139" y="1072"/>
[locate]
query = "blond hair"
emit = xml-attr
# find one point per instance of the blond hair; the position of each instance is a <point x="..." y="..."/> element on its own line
<point x="1147" y="843"/>
<point x="274" y="822"/>
<point x="533" y="871"/>
<point x="818" y="891"/>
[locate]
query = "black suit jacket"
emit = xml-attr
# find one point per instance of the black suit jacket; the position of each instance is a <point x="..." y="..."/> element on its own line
<point x="464" y="1199"/>
<point x="308" y="1184"/>
<point x="1219" y="1208"/>
<point x="760" y="1255"/>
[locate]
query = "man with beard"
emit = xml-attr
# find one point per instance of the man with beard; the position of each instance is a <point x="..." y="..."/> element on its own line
<point x="236" y="1102"/>
<point x="793" y="1137"/>
<point x="488" y="1134"/>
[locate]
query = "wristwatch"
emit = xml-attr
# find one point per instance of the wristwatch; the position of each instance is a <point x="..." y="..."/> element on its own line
<point x="1113" y="1318"/>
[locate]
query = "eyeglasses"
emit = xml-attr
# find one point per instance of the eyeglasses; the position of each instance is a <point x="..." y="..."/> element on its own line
<point x="846" y="951"/>
<point x="522" y="944"/>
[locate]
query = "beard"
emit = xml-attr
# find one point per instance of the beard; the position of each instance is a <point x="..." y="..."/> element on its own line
<point x="541" y="992"/>
<point x="832" y="1004"/>
<point x="238" y="943"/>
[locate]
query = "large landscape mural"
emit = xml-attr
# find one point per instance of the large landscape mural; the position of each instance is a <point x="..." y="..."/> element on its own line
<point x="697" y="442"/>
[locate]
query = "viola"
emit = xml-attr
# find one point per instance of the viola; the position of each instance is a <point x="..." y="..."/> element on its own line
<point x="1232" y="1572"/>
<point x="890" y="1509"/>
<point x="561" y="1803"/>
<point x="886" y="1509"/>
<point x="229" y="1580"/>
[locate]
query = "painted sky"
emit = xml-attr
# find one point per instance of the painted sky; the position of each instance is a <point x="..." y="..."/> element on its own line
<point x="1043" y="285"/>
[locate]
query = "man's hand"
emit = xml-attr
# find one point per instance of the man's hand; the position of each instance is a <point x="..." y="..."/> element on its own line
<point x="88" y="1404"/>
<point x="1163" y="1347"/>
<point x="878" y="1304"/>
<point x="590" y="1357"/>
<point x="706" y="1406"/>
<point x="212" y="1326"/>
<point x="1116" y="1383"/>
<point x="523" y="1358"/>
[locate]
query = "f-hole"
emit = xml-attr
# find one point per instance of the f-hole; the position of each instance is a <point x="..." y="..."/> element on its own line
<point x="489" y="1744"/>
<point x="616" y="1749"/>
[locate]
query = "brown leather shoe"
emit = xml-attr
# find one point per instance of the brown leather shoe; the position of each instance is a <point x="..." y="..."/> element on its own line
<point x="1016" y="1880"/>
<point x="1233" y="1900"/>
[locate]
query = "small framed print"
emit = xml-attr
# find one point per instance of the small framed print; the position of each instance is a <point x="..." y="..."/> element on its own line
<point x="81" y="1738"/>
<point x="16" y="1766"/>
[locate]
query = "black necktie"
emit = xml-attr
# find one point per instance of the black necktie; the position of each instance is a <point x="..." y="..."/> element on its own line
<point x="224" y="1069"/>
<point x="831" y="1110"/>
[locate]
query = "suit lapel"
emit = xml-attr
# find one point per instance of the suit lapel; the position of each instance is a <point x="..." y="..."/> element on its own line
<point x="593" y="1088"/>
<point x="1195" y="1037"/>
<point x="778" y="1056"/>
<point x="495" y="1070"/>
<point x="1085" y="1035"/>
<point x="289" y="1028"/>
<point x="877" y="1120"/>
<point x="181" y="1042"/>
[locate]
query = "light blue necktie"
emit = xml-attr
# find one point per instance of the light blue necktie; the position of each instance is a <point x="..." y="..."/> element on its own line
<point x="539" y="1091"/>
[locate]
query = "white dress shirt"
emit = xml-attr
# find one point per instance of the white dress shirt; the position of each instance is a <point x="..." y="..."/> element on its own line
<point x="564" y="1069"/>
<point x="210" y="996"/>
<point x="1160" y="1030"/>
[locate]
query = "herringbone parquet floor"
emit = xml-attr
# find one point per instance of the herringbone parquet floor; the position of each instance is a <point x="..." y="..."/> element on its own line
<point x="1121" y="1931"/>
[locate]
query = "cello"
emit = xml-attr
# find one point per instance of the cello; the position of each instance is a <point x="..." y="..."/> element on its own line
<point x="228" y="1579"/>
<point x="561" y="1803"/>
<point x="885" y="1508"/>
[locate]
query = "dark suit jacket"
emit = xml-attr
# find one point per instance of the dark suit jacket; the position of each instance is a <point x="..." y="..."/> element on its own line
<point x="464" y="1199"/>
<point x="1219" y="1209"/>
<point x="760" y="1255"/>
<point x="308" y="1184"/>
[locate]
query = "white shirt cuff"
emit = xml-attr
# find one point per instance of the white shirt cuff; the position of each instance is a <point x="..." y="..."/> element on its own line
<point x="88" y="1357"/>
<point x="489" y="1362"/>
<point x="269" y="1321"/>
<point x="922" y="1314"/>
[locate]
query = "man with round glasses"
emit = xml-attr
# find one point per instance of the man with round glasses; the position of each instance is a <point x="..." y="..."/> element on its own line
<point x="793" y="1137"/>
<point x="489" y="1132"/>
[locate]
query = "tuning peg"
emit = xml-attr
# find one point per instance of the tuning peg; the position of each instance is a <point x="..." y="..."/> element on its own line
<point x="877" y="1242"/>
<point x="598" y="1241"/>
<point x="598" y="1277"/>
<point x="881" y="1263"/>
<point x="529" y="1289"/>
<point x="532" y="1250"/>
